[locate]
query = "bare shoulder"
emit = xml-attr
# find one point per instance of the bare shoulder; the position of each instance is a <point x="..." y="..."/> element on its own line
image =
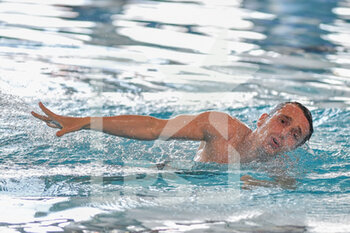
<point x="220" y="123"/>
<point x="239" y="129"/>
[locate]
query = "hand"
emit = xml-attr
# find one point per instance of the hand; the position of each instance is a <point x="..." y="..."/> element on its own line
<point x="66" y="124"/>
<point x="246" y="178"/>
<point x="246" y="181"/>
<point x="249" y="181"/>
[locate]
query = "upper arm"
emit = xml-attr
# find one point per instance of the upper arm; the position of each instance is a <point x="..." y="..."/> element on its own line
<point x="202" y="127"/>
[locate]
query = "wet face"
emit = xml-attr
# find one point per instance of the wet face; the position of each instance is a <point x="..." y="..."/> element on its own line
<point x="283" y="131"/>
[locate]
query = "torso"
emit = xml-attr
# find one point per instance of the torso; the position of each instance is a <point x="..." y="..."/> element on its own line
<point x="221" y="149"/>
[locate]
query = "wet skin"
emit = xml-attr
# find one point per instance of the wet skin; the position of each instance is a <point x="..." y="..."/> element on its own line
<point x="283" y="131"/>
<point x="222" y="136"/>
<point x="224" y="139"/>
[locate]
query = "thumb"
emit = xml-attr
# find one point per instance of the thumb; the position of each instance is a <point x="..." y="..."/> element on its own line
<point x="61" y="133"/>
<point x="67" y="130"/>
<point x="246" y="178"/>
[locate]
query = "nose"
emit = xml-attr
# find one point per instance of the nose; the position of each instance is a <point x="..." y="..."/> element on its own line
<point x="286" y="133"/>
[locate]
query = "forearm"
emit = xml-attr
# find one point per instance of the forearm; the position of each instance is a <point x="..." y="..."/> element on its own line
<point x="128" y="126"/>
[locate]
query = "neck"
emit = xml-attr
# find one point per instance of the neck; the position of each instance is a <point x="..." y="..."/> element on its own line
<point x="248" y="148"/>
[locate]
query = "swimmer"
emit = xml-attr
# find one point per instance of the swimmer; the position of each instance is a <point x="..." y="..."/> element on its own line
<point x="286" y="127"/>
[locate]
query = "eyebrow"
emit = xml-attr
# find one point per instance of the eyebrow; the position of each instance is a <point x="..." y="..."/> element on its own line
<point x="288" y="117"/>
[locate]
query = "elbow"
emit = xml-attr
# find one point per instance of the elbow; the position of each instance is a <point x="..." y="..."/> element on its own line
<point x="157" y="129"/>
<point x="153" y="135"/>
<point x="154" y="129"/>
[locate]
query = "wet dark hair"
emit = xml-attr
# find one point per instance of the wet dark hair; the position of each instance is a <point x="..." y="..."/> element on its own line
<point x="307" y="114"/>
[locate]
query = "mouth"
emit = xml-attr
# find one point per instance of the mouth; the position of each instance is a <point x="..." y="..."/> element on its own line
<point x="275" y="143"/>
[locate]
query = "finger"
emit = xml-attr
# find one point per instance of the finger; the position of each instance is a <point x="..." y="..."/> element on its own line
<point x="61" y="133"/>
<point x="52" y="125"/>
<point x="67" y="130"/>
<point x="246" y="177"/>
<point x="47" y="111"/>
<point x="41" y="117"/>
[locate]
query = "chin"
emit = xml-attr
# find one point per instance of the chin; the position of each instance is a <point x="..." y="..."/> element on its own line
<point x="268" y="150"/>
<point x="264" y="157"/>
<point x="265" y="154"/>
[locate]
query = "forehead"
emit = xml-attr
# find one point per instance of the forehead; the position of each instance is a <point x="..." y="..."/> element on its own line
<point x="297" y="115"/>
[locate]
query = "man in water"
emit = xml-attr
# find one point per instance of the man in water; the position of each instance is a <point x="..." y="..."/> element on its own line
<point x="224" y="139"/>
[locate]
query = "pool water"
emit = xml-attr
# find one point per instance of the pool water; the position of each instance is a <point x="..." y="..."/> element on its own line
<point x="164" y="58"/>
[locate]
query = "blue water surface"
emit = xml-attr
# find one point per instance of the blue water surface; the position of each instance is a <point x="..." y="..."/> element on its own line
<point x="165" y="58"/>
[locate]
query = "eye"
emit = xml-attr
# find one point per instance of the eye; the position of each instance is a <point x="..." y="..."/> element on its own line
<point x="296" y="135"/>
<point x="284" y="121"/>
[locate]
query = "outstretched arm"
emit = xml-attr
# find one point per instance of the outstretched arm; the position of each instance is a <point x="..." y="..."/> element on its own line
<point x="187" y="127"/>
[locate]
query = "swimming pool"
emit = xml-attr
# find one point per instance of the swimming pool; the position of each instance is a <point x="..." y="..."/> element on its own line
<point x="164" y="58"/>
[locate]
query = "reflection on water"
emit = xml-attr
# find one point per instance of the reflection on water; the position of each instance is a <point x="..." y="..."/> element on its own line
<point x="232" y="48"/>
<point x="165" y="58"/>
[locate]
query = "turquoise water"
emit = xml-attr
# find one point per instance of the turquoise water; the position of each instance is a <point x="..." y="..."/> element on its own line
<point x="164" y="58"/>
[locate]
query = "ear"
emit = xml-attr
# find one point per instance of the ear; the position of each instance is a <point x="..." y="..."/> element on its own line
<point x="262" y="119"/>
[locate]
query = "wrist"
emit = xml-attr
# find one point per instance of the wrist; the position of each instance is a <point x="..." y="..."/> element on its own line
<point x="94" y="123"/>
